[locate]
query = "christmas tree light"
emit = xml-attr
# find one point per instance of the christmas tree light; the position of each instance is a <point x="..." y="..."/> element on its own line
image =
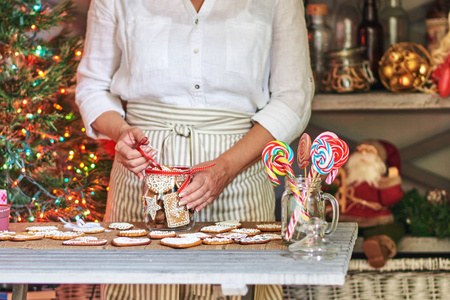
<point x="48" y="166"/>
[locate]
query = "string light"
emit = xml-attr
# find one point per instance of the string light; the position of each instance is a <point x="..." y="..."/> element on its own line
<point x="78" y="53"/>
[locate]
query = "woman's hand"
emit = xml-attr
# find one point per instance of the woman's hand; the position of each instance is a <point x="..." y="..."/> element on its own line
<point x="126" y="152"/>
<point x="206" y="185"/>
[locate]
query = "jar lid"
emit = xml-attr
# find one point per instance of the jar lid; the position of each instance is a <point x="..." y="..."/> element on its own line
<point x="316" y="9"/>
<point x="349" y="55"/>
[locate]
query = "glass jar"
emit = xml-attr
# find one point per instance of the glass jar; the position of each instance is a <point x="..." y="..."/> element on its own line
<point x="161" y="199"/>
<point x="395" y="22"/>
<point x="345" y="20"/>
<point x="347" y="71"/>
<point x="319" y="35"/>
<point x="301" y="203"/>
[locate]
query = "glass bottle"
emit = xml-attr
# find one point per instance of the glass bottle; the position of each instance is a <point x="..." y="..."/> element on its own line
<point x="344" y="22"/>
<point x="370" y="35"/>
<point x="319" y="34"/>
<point x="437" y="23"/>
<point x="395" y="22"/>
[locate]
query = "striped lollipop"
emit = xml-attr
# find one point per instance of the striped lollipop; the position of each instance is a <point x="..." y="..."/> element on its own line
<point x="303" y="151"/>
<point x="322" y="156"/>
<point x="340" y="152"/>
<point x="278" y="157"/>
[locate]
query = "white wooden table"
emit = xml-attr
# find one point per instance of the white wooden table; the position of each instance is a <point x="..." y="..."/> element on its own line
<point x="232" y="269"/>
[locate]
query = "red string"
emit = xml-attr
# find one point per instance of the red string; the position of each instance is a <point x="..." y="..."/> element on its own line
<point x="144" y="141"/>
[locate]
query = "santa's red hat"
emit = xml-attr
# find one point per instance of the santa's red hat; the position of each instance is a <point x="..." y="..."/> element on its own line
<point x="387" y="151"/>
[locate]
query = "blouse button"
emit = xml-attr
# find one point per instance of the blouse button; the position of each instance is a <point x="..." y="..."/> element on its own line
<point x="196" y="21"/>
<point x="197" y="86"/>
<point x="196" y="51"/>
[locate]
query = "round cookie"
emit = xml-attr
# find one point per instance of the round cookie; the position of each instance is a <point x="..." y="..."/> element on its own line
<point x="199" y="235"/>
<point x="41" y="228"/>
<point x="133" y="233"/>
<point x="126" y="241"/>
<point x="253" y="240"/>
<point x="247" y="231"/>
<point x="230" y="223"/>
<point x="181" y="242"/>
<point x="85" y="241"/>
<point x="6" y="235"/>
<point x="120" y="226"/>
<point x="64" y="235"/>
<point x="231" y="235"/>
<point x="215" y="229"/>
<point x="271" y="236"/>
<point x="97" y="229"/>
<point x="160" y="234"/>
<point x="269" y="227"/>
<point x="217" y="241"/>
<point x="27" y="236"/>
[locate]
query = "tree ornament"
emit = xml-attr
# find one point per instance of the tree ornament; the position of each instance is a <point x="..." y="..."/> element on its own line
<point x="405" y="67"/>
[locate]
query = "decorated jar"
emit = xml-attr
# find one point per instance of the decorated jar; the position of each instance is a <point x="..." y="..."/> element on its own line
<point x="161" y="199"/>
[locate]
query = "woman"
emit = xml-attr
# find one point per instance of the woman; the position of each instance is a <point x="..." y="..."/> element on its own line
<point x="207" y="82"/>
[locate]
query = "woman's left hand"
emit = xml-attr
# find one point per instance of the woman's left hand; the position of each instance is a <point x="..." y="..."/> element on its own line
<point x="206" y="185"/>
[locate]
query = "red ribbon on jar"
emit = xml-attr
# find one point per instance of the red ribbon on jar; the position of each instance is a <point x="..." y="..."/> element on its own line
<point x="189" y="172"/>
<point x="142" y="142"/>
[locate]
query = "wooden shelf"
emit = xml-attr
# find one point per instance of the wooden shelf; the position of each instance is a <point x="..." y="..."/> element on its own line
<point x="379" y="101"/>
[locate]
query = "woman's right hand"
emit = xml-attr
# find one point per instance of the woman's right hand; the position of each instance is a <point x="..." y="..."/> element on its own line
<point x="126" y="152"/>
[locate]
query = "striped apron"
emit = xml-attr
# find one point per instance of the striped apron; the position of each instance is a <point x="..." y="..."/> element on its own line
<point x="186" y="137"/>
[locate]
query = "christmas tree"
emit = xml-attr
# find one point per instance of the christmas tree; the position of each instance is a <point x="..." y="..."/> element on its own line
<point x="48" y="166"/>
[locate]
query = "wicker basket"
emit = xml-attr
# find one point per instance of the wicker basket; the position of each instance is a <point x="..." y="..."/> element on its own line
<point x="78" y="292"/>
<point x="411" y="279"/>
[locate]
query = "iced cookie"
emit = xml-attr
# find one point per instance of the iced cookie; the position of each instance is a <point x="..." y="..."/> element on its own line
<point x="199" y="235"/>
<point x="230" y="223"/>
<point x="85" y="241"/>
<point x="217" y="241"/>
<point x="120" y="226"/>
<point x="27" y="236"/>
<point x="133" y="233"/>
<point x="160" y="183"/>
<point x="126" y="241"/>
<point x="253" y="240"/>
<point x="176" y="215"/>
<point x="41" y="228"/>
<point x="269" y="227"/>
<point x="271" y="236"/>
<point x="181" y="242"/>
<point x="231" y="235"/>
<point x="89" y="229"/>
<point x="215" y="229"/>
<point x="247" y="231"/>
<point x="159" y="234"/>
<point x="64" y="235"/>
<point x="6" y="235"/>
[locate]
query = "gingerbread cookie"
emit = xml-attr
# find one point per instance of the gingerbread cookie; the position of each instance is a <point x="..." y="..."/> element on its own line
<point x="269" y="227"/>
<point x="247" y="231"/>
<point x="27" y="236"/>
<point x="126" y="241"/>
<point x="217" y="241"/>
<point x="257" y="239"/>
<point x="97" y="229"/>
<point x="215" y="229"/>
<point x="231" y="235"/>
<point x="6" y="235"/>
<point x="41" y="228"/>
<point x="160" y="183"/>
<point x="64" y="235"/>
<point x="151" y="202"/>
<point x="159" y="234"/>
<point x="271" y="236"/>
<point x="133" y="233"/>
<point x="230" y="223"/>
<point x="199" y="235"/>
<point x="85" y="241"/>
<point x="181" y="242"/>
<point x="120" y="226"/>
<point x="176" y="215"/>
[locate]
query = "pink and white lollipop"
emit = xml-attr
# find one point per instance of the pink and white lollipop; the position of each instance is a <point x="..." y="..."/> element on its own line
<point x="340" y="152"/>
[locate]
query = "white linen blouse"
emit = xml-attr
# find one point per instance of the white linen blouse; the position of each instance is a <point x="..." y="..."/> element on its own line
<point x="244" y="55"/>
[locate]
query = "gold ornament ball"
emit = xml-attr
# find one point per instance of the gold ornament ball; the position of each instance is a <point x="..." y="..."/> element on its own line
<point x="405" y="67"/>
<point x="388" y="71"/>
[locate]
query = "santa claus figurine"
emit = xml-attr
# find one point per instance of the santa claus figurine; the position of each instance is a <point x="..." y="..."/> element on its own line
<point x="372" y="185"/>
